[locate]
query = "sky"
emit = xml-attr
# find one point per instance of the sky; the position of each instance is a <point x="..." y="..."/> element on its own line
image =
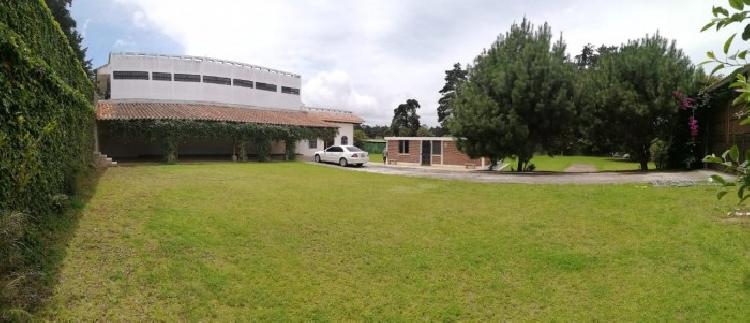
<point x="370" y="56"/>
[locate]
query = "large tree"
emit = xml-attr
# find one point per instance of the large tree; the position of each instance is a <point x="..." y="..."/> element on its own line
<point x="517" y="98"/>
<point x="637" y="85"/>
<point x="453" y="79"/>
<point x="60" y="10"/>
<point x="405" y="119"/>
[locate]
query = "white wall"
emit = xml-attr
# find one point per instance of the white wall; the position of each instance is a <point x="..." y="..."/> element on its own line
<point x="173" y="90"/>
<point x="303" y="148"/>
<point x="345" y="129"/>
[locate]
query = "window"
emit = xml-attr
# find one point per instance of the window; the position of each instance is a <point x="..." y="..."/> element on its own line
<point x="130" y="75"/>
<point x="187" y="78"/>
<point x="354" y="150"/>
<point x="437" y="147"/>
<point x="312" y="144"/>
<point x="161" y="76"/>
<point x="289" y="90"/>
<point x="217" y="80"/>
<point x="403" y="146"/>
<point x="344" y="140"/>
<point x="243" y="83"/>
<point x="265" y="86"/>
<point x="335" y="150"/>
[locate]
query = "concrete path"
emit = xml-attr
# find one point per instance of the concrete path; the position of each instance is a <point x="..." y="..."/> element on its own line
<point x="656" y="178"/>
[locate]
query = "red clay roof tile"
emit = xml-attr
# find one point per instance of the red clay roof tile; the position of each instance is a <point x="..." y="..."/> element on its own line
<point x="125" y="110"/>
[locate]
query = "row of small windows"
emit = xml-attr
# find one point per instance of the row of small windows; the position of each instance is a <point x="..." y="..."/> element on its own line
<point x="164" y="76"/>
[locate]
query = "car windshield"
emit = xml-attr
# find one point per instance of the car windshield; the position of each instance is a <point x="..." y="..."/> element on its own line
<point x="354" y="149"/>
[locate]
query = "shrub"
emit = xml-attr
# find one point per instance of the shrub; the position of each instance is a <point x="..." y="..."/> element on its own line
<point x="659" y="153"/>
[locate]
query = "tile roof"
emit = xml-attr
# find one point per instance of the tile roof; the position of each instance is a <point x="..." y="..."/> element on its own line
<point x="127" y="110"/>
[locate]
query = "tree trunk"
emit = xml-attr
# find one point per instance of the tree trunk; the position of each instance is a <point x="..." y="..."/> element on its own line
<point x="643" y="159"/>
<point x="520" y="165"/>
<point x="644" y="164"/>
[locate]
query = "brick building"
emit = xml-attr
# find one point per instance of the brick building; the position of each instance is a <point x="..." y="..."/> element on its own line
<point x="428" y="151"/>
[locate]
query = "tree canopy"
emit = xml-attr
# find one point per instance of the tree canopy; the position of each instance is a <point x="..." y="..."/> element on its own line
<point x="635" y="88"/>
<point x="405" y="119"/>
<point x="517" y="97"/>
<point x="453" y="78"/>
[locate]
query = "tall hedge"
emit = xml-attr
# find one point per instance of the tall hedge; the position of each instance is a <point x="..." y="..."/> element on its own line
<point x="46" y="138"/>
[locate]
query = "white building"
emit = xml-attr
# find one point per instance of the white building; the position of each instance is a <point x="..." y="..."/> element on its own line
<point x="150" y="86"/>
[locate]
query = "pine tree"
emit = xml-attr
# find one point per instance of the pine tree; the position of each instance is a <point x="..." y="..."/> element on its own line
<point x="637" y="85"/>
<point x="517" y="97"/>
<point x="453" y="78"/>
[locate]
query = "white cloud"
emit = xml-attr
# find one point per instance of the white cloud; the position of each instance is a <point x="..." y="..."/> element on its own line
<point x="84" y="28"/>
<point x="369" y="56"/>
<point x="335" y="89"/>
<point x="139" y="19"/>
<point x="124" y="44"/>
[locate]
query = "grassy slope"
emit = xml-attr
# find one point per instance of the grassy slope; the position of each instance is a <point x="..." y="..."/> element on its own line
<point x="296" y="241"/>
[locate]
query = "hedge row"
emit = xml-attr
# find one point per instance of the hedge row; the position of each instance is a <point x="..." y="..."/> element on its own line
<point x="46" y="141"/>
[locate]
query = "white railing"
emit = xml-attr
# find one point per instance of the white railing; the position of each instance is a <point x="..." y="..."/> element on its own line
<point x="210" y="60"/>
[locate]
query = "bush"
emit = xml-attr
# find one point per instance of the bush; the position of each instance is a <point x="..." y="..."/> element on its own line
<point x="659" y="153"/>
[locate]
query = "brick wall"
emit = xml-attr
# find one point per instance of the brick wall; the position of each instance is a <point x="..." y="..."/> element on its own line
<point x="436" y="159"/>
<point x="452" y="156"/>
<point x="415" y="148"/>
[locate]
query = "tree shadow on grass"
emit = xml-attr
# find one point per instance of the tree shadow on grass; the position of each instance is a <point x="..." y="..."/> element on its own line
<point x="46" y="252"/>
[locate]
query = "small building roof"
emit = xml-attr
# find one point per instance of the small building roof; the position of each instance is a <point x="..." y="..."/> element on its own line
<point x="206" y="111"/>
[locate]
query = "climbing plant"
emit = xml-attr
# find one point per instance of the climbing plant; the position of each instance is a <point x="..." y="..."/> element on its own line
<point x="46" y="142"/>
<point x="173" y="133"/>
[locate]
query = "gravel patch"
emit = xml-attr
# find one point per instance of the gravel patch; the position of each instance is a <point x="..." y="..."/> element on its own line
<point x="656" y="178"/>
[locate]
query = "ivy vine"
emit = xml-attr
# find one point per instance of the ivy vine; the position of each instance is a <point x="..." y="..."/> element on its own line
<point x="173" y="133"/>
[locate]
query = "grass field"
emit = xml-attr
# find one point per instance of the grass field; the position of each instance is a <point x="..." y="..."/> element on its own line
<point x="291" y="241"/>
<point x="560" y="163"/>
<point x="376" y="158"/>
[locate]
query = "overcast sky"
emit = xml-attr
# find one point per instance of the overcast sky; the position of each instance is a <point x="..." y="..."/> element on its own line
<point x="369" y="56"/>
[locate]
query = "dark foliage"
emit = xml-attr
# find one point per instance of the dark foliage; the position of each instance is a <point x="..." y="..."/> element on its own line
<point x="453" y="79"/>
<point x="46" y="141"/>
<point x="405" y="119"/>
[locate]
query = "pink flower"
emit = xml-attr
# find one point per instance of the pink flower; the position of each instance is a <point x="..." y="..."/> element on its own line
<point x="693" y="123"/>
<point x="685" y="102"/>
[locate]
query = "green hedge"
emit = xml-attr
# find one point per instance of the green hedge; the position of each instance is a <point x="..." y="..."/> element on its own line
<point x="46" y="141"/>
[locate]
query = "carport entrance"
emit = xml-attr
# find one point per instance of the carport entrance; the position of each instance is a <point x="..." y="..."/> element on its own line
<point x="426" y="153"/>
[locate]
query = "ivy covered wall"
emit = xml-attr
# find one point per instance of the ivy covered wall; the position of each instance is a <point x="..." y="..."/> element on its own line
<point x="46" y="139"/>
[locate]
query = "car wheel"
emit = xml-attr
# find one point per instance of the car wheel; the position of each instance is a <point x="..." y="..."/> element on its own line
<point x="343" y="162"/>
<point x="317" y="158"/>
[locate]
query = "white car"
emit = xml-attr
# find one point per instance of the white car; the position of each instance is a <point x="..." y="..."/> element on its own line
<point x="343" y="155"/>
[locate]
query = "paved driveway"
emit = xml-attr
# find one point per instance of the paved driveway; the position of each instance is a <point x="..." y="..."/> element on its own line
<point x="656" y="178"/>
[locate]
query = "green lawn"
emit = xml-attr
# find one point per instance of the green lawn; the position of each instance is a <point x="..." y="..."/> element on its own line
<point x="560" y="163"/>
<point x="292" y="242"/>
<point x="376" y="158"/>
